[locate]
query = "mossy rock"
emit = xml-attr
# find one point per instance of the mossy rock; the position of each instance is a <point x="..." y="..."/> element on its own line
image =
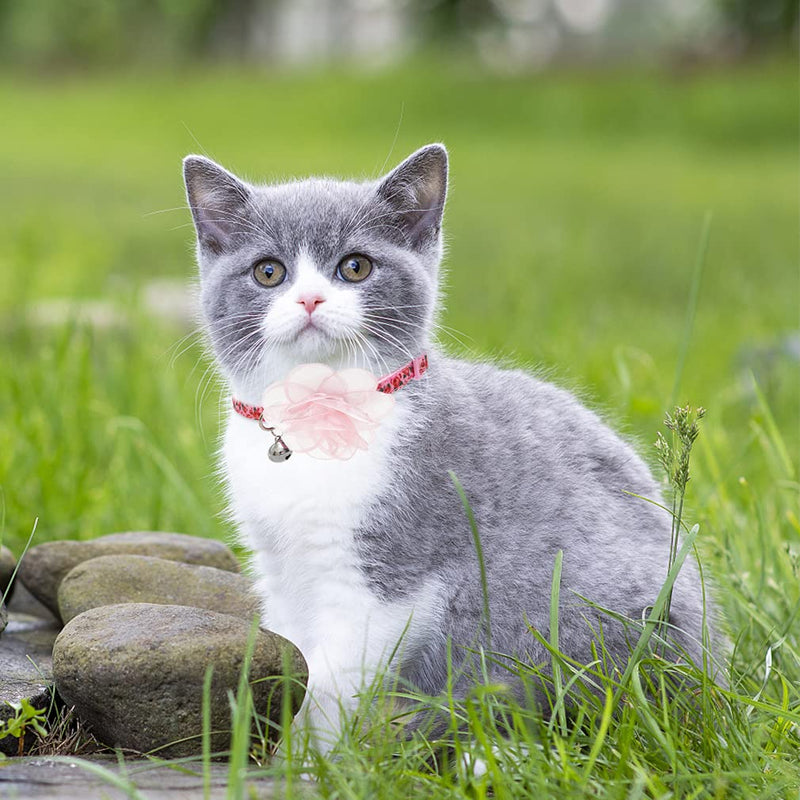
<point x="134" y="672"/>
<point x="44" y="566"/>
<point x="108" y="580"/>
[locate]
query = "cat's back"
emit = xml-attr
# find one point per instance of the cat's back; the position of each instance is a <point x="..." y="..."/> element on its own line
<point x="542" y="473"/>
<point x="533" y="424"/>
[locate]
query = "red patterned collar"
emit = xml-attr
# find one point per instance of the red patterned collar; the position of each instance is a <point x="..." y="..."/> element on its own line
<point x="388" y="384"/>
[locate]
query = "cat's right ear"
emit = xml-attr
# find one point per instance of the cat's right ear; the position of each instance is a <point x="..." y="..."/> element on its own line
<point x="218" y="201"/>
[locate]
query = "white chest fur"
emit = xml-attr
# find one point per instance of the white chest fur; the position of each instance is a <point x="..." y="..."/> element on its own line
<point x="299" y="518"/>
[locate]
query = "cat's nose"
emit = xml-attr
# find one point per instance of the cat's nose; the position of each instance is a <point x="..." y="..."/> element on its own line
<point x="311" y="301"/>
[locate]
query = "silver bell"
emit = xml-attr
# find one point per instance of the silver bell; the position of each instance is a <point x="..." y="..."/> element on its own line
<point x="279" y="452"/>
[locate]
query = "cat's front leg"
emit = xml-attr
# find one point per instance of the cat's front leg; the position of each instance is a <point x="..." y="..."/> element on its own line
<point x="332" y="697"/>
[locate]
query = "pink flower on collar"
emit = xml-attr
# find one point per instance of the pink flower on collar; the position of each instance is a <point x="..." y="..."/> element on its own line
<point x="324" y="413"/>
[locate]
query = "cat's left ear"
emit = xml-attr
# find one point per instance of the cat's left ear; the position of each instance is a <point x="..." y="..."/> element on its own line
<point x="417" y="189"/>
<point x="219" y="202"/>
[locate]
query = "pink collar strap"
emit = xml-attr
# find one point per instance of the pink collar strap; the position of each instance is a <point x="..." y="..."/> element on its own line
<point x="388" y="384"/>
<point x="399" y="378"/>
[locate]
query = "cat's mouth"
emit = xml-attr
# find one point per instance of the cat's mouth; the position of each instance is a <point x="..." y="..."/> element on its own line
<point x="310" y="328"/>
<point x="313" y="339"/>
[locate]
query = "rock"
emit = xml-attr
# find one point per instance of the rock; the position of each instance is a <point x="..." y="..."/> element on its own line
<point x="135" y="672"/>
<point x="23" y="602"/>
<point x="25" y="668"/>
<point x="7" y="565"/>
<point x="108" y="580"/>
<point x="45" y="565"/>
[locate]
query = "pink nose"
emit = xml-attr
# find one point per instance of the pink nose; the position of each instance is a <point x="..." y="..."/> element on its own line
<point x="311" y="301"/>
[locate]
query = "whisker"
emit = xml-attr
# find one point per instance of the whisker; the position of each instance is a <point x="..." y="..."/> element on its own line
<point x="194" y="341"/>
<point x="381" y="362"/>
<point x="391" y="308"/>
<point x="388" y="338"/>
<point x="397" y="321"/>
<point x="167" y="210"/>
<point x="455" y="335"/>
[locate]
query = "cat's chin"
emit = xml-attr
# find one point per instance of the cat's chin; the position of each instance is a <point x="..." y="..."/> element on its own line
<point x="313" y="344"/>
<point x="311" y="347"/>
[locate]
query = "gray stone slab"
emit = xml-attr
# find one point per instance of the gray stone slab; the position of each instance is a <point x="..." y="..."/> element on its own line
<point x="71" y="779"/>
<point x="26" y="666"/>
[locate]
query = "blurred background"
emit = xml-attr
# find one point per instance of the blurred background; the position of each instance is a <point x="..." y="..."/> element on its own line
<point x="503" y="35"/>
<point x="622" y="217"/>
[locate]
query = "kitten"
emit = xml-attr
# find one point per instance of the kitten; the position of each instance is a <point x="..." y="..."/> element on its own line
<point x="354" y="556"/>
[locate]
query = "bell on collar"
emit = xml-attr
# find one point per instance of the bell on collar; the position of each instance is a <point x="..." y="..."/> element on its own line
<point x="278" y="451"/>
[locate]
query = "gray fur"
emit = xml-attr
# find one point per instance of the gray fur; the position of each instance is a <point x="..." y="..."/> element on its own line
<point x="542" y="472"/>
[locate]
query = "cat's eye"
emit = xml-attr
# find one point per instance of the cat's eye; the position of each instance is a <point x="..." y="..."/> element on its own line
<point x="269" y="272"/>
<point x="354" y="268"/>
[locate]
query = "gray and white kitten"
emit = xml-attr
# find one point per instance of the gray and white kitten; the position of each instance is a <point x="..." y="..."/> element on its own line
<point x="355" y="556"/>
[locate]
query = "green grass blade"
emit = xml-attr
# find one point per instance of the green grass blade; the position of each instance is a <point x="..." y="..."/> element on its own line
<point x="650" y="721"/>
<point x="242" y="720"/>
<point x="120" y="782"/>
<point x="600" y="736"/>
<point x="691" y="310"/>
<point x="476" y="538"/>
<point x="654" y="617"/>
<point x="774" y="434"/>
<point x="206" y="711"/>
<point x="558" y="682"/>
<point x="19" y="561"/>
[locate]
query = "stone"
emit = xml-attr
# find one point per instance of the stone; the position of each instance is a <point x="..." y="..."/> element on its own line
<point x="7" y="565"/>
<point x="42" y="778"/>
<point x="44" y="566"/>
<point x="26" y="668"/>
<point x="134" y="673"/>
<point x="24" y="602"/>
<point x="108" y="580"/>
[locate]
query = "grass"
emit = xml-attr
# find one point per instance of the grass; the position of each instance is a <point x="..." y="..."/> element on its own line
<point x="575" y="217"/>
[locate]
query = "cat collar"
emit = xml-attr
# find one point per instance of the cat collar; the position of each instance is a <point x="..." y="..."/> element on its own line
<point x="329" y="414"/>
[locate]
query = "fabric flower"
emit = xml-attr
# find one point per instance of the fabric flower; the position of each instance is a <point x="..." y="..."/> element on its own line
<point x="324" y="413"/>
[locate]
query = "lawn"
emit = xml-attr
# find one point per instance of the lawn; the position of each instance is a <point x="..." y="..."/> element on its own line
<point x="575" y="224"/>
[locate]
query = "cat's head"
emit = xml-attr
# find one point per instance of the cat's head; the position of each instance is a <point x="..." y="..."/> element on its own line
<point x="318" y="270"/>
